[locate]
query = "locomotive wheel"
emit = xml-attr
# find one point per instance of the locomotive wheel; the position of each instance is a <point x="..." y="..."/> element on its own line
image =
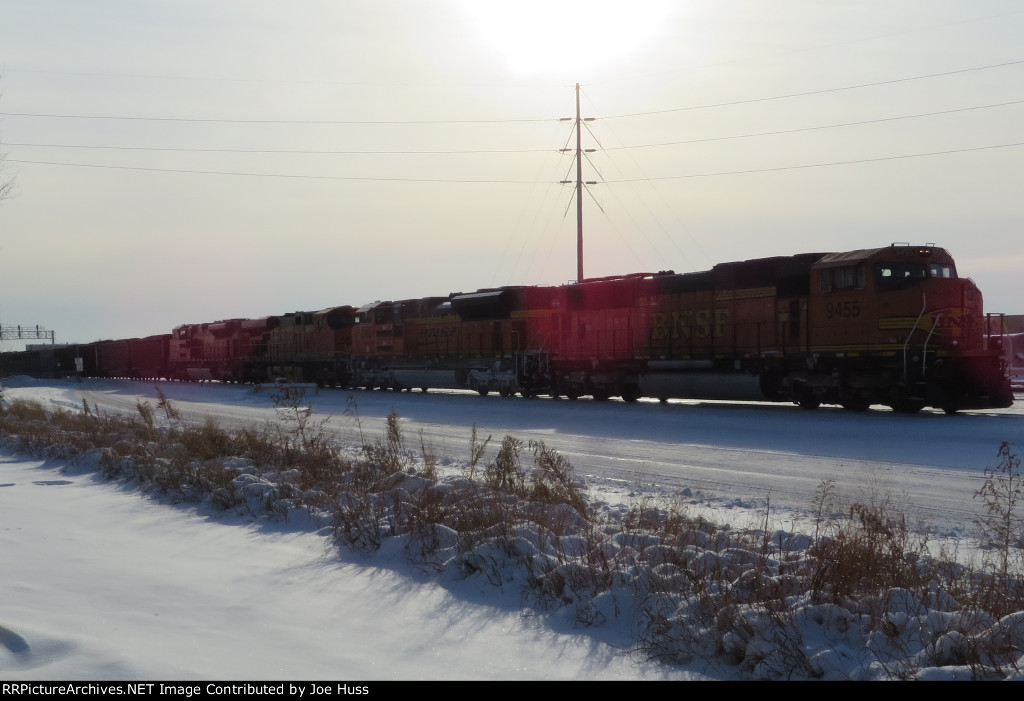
<point x="908" y="406"/>
<point x="805" y="398"/>
<point x="630" y="394"/>
<point x="482" y="391"/>
<point x="809" y="403"/>
<point x="943" y="398"/>
<point x="856" y="405"/>
<point x="600" y="395"/>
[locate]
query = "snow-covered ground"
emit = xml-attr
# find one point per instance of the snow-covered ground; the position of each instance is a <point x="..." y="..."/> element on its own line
<point x="104" y="583"/>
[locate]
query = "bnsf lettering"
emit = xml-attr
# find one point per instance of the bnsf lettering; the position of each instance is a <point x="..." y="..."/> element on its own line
<point x="698" y="323"/>
<point x="433" y="333"/>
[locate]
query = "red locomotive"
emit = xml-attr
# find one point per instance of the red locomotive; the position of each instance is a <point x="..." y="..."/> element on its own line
<point x="893" y="326"/>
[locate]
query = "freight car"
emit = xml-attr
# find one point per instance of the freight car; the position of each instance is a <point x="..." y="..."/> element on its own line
<point x="895" y="326"/>
<point x="132" y="358"/>
<point x="60" y="360"/>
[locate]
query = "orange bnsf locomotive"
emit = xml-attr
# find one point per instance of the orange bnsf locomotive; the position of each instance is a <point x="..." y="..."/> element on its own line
<point x="894" y="326"/>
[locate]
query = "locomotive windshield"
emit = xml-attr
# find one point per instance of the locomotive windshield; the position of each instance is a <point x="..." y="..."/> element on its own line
<point x="905" y="274"/>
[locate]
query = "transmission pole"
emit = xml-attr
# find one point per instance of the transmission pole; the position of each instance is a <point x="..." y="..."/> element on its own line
<point x="579" y="190"/>
<point x="579" y="184"/>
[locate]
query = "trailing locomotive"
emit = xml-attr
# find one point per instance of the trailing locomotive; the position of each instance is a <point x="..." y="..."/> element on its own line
<point x="894" y="326"/>
<point x="310" y="346"/>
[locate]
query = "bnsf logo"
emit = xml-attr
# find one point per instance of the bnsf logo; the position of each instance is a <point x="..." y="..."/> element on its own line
<point x="695" y="323"/>
<point x="950" y="322"/>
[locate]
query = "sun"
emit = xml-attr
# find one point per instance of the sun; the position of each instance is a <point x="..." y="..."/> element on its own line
<point x="567" y="38"/>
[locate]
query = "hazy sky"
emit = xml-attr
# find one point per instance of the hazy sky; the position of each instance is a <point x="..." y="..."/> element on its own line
<point x="191" y="160"/>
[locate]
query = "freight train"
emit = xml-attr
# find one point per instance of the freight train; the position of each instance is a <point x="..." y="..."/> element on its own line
<point x="894" y="326"/>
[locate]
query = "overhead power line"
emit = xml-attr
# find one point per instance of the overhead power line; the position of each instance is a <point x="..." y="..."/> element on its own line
<point x="296" y="152"/>
<point x="819" y="165"/>
<point x="812" y="92"/>
<point x="299" y="176"/>
<point x="513" y="182"/>
<point x="444" y="152"/>
<point x="816" y="128"/>
<point x="50" y="115"/>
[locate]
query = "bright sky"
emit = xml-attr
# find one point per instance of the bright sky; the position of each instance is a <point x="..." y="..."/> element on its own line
<point x="196" y="160"/>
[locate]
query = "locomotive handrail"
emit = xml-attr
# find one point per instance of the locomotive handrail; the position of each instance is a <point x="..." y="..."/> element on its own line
<point x="924" y="350"/>
<point x="924" y="306"/>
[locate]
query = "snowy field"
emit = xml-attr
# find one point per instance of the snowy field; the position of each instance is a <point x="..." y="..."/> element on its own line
<point x="104" y="583"/>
